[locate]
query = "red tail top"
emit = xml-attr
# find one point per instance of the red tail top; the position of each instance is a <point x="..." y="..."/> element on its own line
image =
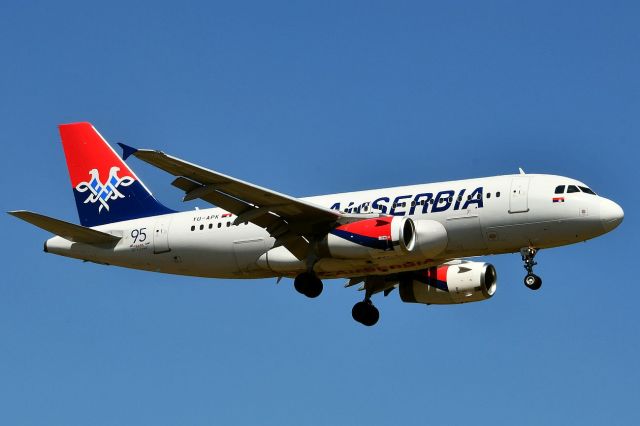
<point x="85" y="149"/>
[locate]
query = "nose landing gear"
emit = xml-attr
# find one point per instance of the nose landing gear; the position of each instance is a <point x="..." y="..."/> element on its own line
<point x="531" y="280"/>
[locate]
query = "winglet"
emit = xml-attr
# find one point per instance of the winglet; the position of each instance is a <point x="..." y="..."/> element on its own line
<point x="127" y="150"/>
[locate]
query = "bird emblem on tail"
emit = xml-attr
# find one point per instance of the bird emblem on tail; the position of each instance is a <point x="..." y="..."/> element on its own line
<point x="104" y="192"/>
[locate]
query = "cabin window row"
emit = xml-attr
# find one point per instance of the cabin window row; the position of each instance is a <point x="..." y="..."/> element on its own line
<point x="210" y="226"/>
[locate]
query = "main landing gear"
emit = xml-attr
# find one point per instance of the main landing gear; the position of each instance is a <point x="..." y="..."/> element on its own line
<point x="531" y="280"/>
<point x="308" y="284"/>
<point x="365" y="312"/>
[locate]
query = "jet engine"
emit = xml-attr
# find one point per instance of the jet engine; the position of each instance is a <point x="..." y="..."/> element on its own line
<point x="454" y="282"/>
<point x="385" y="236"/>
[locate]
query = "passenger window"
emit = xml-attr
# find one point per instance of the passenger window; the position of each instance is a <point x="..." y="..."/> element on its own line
<point x="498" y="194"/>
<point x="219" y="224"/>
<point x="587" y="190"/>
<point x="572" y="189"/>
<point x="228" y="224"/>
<point x="560" y="189"/>
<point x="193" y="228"/>
<point x="210" y="225"/>
<point x="488" y="195"/>
<point x="201" y="227"/>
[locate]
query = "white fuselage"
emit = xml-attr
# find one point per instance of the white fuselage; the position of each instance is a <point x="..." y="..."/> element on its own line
<point x="504" y="214"/>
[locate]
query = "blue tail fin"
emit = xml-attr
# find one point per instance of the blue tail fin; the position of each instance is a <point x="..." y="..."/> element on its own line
<point x="105" y="188"/>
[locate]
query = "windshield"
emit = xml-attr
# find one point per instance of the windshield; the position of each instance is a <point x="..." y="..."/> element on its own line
<point x="587" y="190"/>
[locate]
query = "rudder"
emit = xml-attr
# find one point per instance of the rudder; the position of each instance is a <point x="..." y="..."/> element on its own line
<point x="105" y="189"/>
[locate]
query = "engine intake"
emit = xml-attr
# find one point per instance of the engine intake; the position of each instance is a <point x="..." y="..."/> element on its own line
<point x="458" y="282"/>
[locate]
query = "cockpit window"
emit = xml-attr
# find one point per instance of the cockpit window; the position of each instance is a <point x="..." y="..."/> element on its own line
<point x="587" y="190"/>
<point x="572" y="188"/>
<point x="560" y="189"/>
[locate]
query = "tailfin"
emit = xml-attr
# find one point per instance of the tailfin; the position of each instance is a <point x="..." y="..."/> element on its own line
<point x="105" y="188"/>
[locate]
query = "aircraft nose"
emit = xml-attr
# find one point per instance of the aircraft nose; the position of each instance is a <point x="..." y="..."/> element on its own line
<point x="611" y="214"/>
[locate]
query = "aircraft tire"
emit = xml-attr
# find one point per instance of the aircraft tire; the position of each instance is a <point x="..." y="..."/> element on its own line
<point x="533" y="282"/>
<point x="314" y="288"/>
<point x="365" y="313"/>
<point x="308" y="284"/>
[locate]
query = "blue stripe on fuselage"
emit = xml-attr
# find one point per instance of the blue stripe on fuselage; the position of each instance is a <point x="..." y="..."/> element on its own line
<point x="362" y="240"/>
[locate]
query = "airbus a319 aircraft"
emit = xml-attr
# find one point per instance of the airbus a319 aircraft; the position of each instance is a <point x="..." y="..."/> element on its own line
<point x="412" y="238"/>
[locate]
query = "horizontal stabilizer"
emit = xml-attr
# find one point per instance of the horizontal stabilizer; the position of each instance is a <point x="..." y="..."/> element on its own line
<point x="64" y="229"/>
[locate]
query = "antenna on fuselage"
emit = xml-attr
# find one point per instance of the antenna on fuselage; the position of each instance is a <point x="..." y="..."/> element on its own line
<point x="521" y="171"/>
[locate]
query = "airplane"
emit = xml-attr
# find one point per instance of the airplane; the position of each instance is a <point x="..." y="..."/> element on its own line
<point x="416" y="239"/>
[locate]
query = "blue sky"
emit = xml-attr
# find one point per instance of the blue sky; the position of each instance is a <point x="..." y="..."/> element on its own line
<point x="309" y="98"/>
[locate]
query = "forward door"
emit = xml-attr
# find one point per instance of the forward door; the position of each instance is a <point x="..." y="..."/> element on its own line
<point x="518" y="196"/>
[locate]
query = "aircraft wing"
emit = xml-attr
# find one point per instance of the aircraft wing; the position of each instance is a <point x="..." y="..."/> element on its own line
<point x="291" y="221"/>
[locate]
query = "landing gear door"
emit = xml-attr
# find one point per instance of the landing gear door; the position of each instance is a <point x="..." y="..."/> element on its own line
<point x="518" y="196"/>
<point x="161" y="236"/>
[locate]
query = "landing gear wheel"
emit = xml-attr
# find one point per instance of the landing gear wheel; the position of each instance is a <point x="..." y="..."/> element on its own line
<point x="308" y="284"/>
<point x="365" y="313"/>
<point x="533" y="281"/>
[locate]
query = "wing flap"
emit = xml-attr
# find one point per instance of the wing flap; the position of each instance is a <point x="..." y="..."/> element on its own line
<point x="64" y="229"/>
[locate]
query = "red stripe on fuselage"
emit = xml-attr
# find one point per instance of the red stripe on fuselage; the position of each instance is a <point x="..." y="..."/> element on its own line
<point x="372" y="228"/>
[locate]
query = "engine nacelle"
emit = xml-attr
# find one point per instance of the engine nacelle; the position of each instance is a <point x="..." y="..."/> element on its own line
<point x="458" y="282"/>
<point x="385" y="236"/>
<point x="369" y="238"/>
<point x="429" y="238"/>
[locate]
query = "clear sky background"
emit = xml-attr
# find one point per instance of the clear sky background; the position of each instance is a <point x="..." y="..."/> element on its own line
<point x="310" y="98"/>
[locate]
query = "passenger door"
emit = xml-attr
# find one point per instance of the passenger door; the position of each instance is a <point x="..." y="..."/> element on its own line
<point x="161" y="236"/>
<point x="518" y="196"/>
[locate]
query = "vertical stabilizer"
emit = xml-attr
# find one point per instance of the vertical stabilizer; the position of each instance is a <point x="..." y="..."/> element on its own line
<point x="105" y="188"/>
